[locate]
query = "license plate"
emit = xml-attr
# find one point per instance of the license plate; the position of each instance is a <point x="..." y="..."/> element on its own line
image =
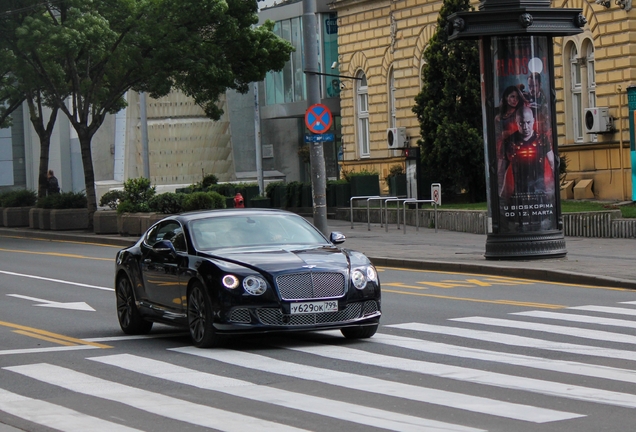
<point x="314" y="307"/>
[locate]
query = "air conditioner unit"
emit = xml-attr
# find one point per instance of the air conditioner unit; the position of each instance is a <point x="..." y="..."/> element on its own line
<point x="396" y="138"/>
<point x="598" y="120"/>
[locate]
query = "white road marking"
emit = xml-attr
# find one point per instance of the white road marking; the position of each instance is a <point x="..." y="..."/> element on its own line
<point x="585" y="319"/>
<point x="244" y="389"/>
<point x="45" y="350"/>
<point x="512" y="340"/>
<point x="373" y="385"/>
<point x="155" y="403"/>
<point x="606" y="309"/>
<point x="56" y="280"/>
<point x="55" y="416"/>
<point x="82" y="306"/>
<point x="477" y="376"/>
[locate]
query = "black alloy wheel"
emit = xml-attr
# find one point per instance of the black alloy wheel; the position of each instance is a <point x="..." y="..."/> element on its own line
<point x="361" y="332"/>
<point x="130" y="320"/>
<point x="201" y="318"/>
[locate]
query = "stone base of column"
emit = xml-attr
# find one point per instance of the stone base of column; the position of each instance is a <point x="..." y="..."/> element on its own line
<point x="544" y="244"/>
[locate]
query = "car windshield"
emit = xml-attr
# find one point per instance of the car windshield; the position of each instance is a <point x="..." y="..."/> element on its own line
<point x="253" y="230"/>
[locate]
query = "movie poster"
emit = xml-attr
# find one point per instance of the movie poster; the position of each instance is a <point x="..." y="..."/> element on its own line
<point x="523" y="135"/>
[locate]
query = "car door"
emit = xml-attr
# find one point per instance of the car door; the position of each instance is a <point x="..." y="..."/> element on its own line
<point x="161" y="268"/>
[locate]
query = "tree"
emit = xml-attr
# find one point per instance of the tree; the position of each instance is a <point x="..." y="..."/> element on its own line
<point x="86" y="54"/>
<point x="448" y="109"/>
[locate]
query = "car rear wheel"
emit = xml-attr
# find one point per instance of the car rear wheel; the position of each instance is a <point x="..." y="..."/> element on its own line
<point x="200" y="318"/>
<point x="361" y="332"/>
<point x="130" y="320"/>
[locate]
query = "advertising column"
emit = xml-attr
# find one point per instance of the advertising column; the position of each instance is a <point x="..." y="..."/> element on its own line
<point x="525" y="155"/>
<point x="631" y="98"/>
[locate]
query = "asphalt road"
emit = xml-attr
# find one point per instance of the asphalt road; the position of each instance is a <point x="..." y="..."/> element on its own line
<point x="455" y="352"/>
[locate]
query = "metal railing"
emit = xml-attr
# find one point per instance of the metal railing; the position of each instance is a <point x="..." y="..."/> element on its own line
<point x="381" y="199"/>
<point x="417" y="216"/>
<point x="354" y="198"/>
<point x="386" y="211"/>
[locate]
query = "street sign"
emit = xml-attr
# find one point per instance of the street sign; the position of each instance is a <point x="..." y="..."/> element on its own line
<point x="309" y="138"/>
<point x="436" y="194"/>
<point x="318" y="118"/>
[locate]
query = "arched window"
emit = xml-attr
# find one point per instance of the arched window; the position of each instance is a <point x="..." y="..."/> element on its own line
<point x="392" y="109"/>
<point x="362" y="114"/>
<point x="575" y="88"/>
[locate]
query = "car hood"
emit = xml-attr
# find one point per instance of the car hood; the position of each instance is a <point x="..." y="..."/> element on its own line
<point x="281" y="259"/>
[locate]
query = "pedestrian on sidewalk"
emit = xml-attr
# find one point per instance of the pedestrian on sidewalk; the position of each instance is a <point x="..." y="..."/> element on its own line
<point x="53" y="186"/>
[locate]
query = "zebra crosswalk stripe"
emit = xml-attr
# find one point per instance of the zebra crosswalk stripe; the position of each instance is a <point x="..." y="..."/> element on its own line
<point x="369" y="384"/>
<point x="331" y="408"/>
<point x="55" y="416"/>
<point x="522" y="341"/>
<point x="569" y="367"/>
<point x="595" y="334"/>
<point x="606" y="309"/>
<point x="159" y="404"/>
<point x="550" y="388"/>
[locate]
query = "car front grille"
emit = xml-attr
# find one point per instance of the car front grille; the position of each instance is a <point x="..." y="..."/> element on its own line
<point x="370" y="307"/>
<point x="304" y="286"/>
<point x="273" y="316"/>
<point x="240" y="315"/>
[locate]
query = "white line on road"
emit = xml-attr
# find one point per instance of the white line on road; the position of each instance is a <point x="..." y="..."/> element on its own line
<point x="330" y="408"/>
<point x="53" y="304"/>
<point x="477" y="404"/>
<point x="45" y="350"/>
<point x="55" y="416"/>
<point x="523" y="341"/>
<point x="56" y="280"/>
<point x="166" y="406"/>
<point x="584" y="319"/>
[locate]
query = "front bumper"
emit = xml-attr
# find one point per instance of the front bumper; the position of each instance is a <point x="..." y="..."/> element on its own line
<point x="264" y="319"/>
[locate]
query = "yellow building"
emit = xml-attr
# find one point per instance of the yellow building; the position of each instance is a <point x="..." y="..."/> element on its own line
<point x="382" y="43"/>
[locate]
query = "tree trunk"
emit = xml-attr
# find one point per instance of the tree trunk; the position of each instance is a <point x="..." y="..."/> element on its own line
<point x="36" y="114"/>
<point x="89" y="175"/>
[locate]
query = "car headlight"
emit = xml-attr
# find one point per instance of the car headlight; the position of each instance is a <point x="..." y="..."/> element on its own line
<point x="359" y="279"/>
<point x="254" y="285"/>
<point x="230" y="281"/>
<point x="372" y="275"/>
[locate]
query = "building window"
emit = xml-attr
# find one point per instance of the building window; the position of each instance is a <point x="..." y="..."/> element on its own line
<point x="392" y="109"/>
<point x="288" y="85"/>
<point x="362" y="114"/>
<point x="575" y="88"/>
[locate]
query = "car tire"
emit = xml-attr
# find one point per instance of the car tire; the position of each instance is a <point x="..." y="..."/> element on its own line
<point x="130" y="320"/>
<point x="361" y="332"/>
<point x="201" y="318"/>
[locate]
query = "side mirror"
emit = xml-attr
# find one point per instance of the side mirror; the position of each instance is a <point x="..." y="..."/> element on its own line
<point x="164" y="247"/>
<point x="337" y="237"/>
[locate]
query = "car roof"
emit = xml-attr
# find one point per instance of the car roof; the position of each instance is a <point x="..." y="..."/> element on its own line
<point x="204" y="214"/>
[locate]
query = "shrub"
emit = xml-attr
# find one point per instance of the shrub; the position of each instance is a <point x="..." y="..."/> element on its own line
<point x="393" y="171"/>
<point x="225" y="189"/>
<point x="203" y="201"/>
<point x="137" y="193"/>
<point x="19" y="198"/>
<point x="167" y="203"/>
<point x="209" y="180"/>
<point x="269" y="189"/>
<point x="112" y="198"/>
<point x="64" y="200"/>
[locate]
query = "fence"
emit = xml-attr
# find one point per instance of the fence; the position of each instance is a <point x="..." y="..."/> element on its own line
<point x="602" y="224"/>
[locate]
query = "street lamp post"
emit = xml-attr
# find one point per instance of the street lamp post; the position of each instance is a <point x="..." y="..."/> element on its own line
<point x="519" y="106"/>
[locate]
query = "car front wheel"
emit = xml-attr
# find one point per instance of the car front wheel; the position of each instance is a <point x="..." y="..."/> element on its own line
<point x="361" y="332"/>
<point x="200" y="318"/>
<point x="130" y="320"/>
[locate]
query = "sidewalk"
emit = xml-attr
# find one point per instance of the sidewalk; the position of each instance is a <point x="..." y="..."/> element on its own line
<point x="590" y="261"/>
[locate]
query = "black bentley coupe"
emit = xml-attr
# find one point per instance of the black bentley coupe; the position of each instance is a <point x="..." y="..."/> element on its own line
<point x="220" y="272"/>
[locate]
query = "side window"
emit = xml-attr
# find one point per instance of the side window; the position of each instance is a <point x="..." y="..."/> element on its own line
<point x="168" y="230"/>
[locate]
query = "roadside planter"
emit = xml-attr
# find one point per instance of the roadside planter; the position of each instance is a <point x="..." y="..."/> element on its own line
<point x="105" y="222"/>
<point x="129" y="224"/>
<point x="34" y="218"/>
<point x="16" y="216"/>
<point x="69" y="219"/>
<point x="260" y="202"/>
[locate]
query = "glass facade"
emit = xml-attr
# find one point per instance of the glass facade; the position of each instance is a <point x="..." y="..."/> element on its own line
<point x="289" y="85"/>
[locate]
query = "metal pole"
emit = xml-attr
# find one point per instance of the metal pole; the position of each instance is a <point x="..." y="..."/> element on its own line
<point x="317" y="157"/>
<point x="145" y="159"/>
<point x="257" y="142"/>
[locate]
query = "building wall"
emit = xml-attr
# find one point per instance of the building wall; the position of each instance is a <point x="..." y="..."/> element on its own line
<point x="380" y="37"/>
